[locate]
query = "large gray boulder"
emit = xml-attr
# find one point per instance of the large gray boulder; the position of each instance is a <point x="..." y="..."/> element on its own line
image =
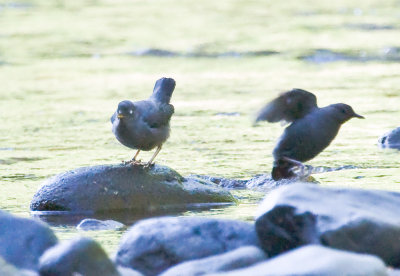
<point x="23" y="240"/>
<point x="315" y="260"/>
<point x="390" y="139"/>
<point x="235" y="259"/>
<point x="122" y="187"/>
<point x="7" y="269"/>
<point x="153" y="245"/>
<point x="365" y="221"/>
<point x="81" y="255"/>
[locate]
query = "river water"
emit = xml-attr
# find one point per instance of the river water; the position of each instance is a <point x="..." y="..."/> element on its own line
<point x="61" y="82"/>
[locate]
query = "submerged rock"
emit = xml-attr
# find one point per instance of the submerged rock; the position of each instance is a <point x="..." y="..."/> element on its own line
<point x="95" y="224"/>
<point x="391" y="139"/>
<point x="82" y="255"/>
<point x="315" y="260"/>
<point x="238" y="258"/>
<point x="124" y="187"/>
<point x="364" y="221"/>
<point x="153" y="245"/>
<point x="23" y="240"/>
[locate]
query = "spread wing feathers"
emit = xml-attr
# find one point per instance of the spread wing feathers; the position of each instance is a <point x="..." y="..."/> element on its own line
<point x="288" y="107"/>
<point x="160" y="116"/>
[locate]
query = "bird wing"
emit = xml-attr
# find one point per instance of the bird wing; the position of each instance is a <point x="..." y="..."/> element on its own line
<point x="113" y="117"/>
<point x="288" y="107"/>
<point x="160" y="115"/>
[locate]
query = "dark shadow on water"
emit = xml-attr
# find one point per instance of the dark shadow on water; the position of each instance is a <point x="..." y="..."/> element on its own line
<point x="154" y="52"/>
<point x="320" y="56"/>
<point x="14" y="160"/>
<point x="127" y="217"/>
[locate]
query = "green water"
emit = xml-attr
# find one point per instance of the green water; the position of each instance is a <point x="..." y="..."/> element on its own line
<point x="64" y="68"/>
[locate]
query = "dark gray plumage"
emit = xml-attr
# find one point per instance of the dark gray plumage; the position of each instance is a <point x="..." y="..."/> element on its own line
<point x="311" y="130"/>
<point x="144" y="125"/>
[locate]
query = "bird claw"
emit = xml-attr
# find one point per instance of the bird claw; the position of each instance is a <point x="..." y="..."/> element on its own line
<point x="148" y="165"/>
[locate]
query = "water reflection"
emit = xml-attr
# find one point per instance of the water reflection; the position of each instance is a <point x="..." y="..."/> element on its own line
<point x="65" y="218"/>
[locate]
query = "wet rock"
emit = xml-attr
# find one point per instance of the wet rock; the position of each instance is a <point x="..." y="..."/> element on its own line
<point x="81" y="255"/>
<point x="369" y="27"/>
<point x="199" y="54"/>
<point x="320" y="56"/>
<point x="261" y="182"/>
<point x="229" y="114"/>
<point x="391" y="139"/>
<point x="316" y="260"/>
<point x="364" y="221"/>
<point x="238" y="258"/>
<point x="23" y="240"/>
<point x="123" y="187"/>
<point x="153" y="52"/>
<point x="95" y="224"/>
<point x="391" y="53"/>
<point x="153" y="245"/>
<point x="7" y="269"/>
<point x="228" y="183"/>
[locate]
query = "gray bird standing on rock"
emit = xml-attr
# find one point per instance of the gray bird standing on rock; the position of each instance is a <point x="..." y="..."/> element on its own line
<point x="311" y="130"/>
<point x="144" y="125"/>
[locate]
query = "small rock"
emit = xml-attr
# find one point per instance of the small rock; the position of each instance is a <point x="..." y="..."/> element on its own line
<point x="81" y="255"/>
<point x="153" y="52"/>
<point x="124" y="187"/>
<point x="23" y="240"/>
<point x="238" y="258"/>
<point x="358" y="220"/>
<point x="391" y="139"/>
<point x="153" y="245"/>
<point x="315" y="260"/>
<point x="95" y="224"/>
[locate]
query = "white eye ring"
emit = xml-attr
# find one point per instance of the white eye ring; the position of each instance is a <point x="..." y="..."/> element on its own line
<point x="130" y="111"/>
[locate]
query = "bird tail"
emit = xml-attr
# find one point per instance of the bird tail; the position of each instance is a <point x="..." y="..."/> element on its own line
<point x="163" y="89"/>
<point x="282" y="170"/>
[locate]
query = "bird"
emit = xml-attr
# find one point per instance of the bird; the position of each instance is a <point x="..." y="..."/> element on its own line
<point x="311" y="128"/>
<point x="144" y="125"/>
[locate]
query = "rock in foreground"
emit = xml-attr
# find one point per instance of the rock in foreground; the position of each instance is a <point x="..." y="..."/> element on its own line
<point x="153" y="245"/>
<point x="315" y="260"/>
<point x="23" y="240"/>
<point x="81" y="255"/>
<point x="364" y="221"/>
<point x="123" y="187"/>
<point x="242" y="257"/>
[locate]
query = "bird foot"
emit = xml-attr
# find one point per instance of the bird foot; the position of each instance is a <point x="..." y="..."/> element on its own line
<point x="148" y="165"/>
<point x="133" y="162"/>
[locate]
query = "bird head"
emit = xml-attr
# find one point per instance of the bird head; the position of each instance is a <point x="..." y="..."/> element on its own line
<point x="125" y="109"/>
<point x="344" y="112"/>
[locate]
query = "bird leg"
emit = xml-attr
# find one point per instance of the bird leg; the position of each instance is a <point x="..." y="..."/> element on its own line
<point x="134" y="158"/>
<point x="133" y="161"/>
<point x="154" y="156"/>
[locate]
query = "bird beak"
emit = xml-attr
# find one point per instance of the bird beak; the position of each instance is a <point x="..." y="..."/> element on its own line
<point x="120" y="116"/>
<point x="358" y="116"/>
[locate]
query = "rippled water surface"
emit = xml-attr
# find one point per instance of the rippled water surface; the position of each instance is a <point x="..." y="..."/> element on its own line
<point x="65" y="65"/>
